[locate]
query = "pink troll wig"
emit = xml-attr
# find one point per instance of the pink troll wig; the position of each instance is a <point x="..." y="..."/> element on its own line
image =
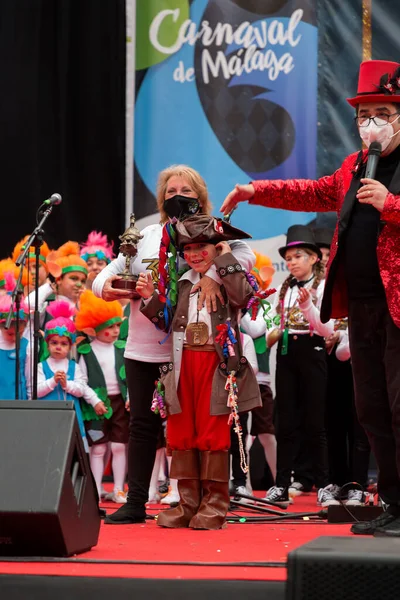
<point x="5" y="301"/>
<point x="61" y="323"/>
<point x="97" y="246"/>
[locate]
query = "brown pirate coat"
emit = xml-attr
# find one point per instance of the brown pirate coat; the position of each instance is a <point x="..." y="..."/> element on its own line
<point x="236" y="288"/>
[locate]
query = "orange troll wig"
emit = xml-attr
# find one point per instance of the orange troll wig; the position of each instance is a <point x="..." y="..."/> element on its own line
<point x="263" y="270"/>
<point x="66" y="260"/>
<point x="44" y="252"/>
<point x="96" y="314"/>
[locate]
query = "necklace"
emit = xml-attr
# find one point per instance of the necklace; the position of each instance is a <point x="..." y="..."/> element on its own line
<point x="197" y="334"/>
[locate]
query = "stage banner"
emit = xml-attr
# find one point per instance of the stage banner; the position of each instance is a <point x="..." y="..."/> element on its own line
<point x="349" y="33"/>
<point x="228" y="87"/>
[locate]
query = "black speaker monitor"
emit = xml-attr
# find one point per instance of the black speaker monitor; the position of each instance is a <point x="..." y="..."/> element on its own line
<point x="337" y="568"/>
<point x="48" y="500"/>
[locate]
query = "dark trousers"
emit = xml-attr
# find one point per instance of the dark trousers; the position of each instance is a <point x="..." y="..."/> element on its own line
<point x="144" y="429"/>
<point x="375" y="355"/>
<point x="348" y="446"/>
<point x="301" y="377"/>
<point x="239" y="478"/>
<point x="302" y="466"/>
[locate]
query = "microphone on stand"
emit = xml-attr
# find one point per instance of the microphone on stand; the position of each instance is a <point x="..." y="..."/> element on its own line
<point x="54" y="200"/>
<point x="374" y="153"/>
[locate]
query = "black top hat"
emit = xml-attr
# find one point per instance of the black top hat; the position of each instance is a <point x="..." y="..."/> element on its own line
<point x="300" y="236"/>
<point x="323" y="237"/>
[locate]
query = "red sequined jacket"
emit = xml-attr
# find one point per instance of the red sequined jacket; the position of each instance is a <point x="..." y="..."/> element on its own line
<point x="337" y="193"/>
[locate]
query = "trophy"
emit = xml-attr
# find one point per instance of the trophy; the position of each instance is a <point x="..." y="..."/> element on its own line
<point x="129" y="241"/>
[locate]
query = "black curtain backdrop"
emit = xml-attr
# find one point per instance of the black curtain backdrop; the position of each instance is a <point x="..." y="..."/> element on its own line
<point x="62" y="117"/>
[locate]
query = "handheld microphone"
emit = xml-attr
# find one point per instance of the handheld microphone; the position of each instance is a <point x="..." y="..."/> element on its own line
<point x="54" y="200"/>
<point x="374" y="153"/>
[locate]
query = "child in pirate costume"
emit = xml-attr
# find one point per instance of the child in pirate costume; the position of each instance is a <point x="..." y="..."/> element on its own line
<point x="60" y="378"/>
<point x="8" y="343"/>
<point x="301" y="371"/>
<point x="208" y="370"/>
<point x="102" y="362"/>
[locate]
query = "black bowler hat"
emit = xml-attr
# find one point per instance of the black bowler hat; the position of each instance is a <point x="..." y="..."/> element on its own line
<point x="300" y="236"/>
<point x="323" y="237"/>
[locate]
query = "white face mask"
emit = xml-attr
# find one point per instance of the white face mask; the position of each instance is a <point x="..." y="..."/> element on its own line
<point x="374" y="133"/>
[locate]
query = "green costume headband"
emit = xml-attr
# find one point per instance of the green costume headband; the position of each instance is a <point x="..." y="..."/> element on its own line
<point x="33" y="255"/>
<point x="108" y="324"/>
<point x="72" y="268"/>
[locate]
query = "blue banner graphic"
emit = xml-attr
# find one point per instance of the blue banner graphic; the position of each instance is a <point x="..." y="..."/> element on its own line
<point x="229" y="88"/>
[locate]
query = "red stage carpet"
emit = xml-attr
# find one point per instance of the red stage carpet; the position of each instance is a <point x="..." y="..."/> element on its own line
<point x="148" y="543"/>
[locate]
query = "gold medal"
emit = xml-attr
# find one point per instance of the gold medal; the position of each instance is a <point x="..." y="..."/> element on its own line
<point x="197" y="334"/>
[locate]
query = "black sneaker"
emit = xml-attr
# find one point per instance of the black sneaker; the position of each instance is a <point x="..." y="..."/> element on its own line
<point x="279" y="496"/>
<point x="369" y="527"/>
<point x="163" y="488"/>
<point x="391" y="529"/>
<point x="126" y="515"/>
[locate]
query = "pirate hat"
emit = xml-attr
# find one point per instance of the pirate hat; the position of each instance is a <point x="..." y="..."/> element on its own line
<point x="206" y="229"/>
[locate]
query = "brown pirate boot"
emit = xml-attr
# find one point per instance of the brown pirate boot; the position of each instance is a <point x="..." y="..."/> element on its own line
<point x="185" y="467"/>
<point x="214" y="479"/>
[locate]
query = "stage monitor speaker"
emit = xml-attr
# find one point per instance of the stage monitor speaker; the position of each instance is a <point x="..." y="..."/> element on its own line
<point x="48" y="500"/>
<point x="345" y="567"/>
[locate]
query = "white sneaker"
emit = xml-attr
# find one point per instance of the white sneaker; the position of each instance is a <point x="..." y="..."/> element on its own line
<point x="154" y="498"/>
<point x="241" y="489"/>
<point x="355" y="498"/>
<point x="325" y="496"/>
<point x="279" y="496"/>
<point x="171" y="498"/>
<point x="103" y="493"/>
<point x="117" y="496"/>
<point x="296" y="489"/>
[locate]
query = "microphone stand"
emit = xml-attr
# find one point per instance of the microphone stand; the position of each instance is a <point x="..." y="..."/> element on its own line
<point x="35" y="239"/>
<point x="16" y="299"/>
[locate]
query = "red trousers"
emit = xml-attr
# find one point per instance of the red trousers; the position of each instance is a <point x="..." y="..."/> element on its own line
<point x="194" y="427"/>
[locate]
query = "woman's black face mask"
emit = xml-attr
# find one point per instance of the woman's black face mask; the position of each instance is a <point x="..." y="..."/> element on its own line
<point x="181" y="207"/>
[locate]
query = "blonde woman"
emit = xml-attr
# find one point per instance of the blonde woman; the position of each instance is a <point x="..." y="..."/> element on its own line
<point x="181" y="192"/>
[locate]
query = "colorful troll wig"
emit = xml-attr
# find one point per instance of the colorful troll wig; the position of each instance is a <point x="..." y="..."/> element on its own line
<point x="66" y="260"/>
<point x="61" y="324"/>
<point x="97" y="246"/>
<point x="44" y="252"/>
<point x="97" y="314"/>
<point x="5" y="301"/>
<point x="7" y="265"/>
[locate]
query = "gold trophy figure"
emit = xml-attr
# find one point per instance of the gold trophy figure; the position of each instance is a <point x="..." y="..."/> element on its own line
<point x="129" y="241"/>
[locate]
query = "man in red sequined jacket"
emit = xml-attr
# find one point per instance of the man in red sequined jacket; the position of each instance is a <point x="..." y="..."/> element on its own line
<point x="363" y="278"/>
